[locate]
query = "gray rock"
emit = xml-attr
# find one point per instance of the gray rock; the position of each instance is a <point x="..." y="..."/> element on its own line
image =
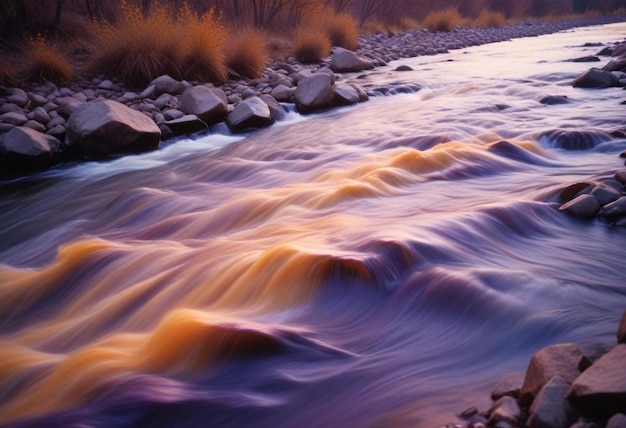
<point x="40" y="115"/>
<point x="617" y="421"/>
<point x="595" y="78"/>
<point x="605" y="194"/>
<point x="28" y="142"/>
<point x="600" y="391"/>
<point x="281" y="93"/>
<point x="615" y="65"/>
<point x="234" y="99"/>
<point x="276" y="110"/>
<point x="209" y="104"/>
<point x="172" y="114"/>
<point x="6" y="127"/>
<point x="621" y="330"/>
<point x="55" y="121"/>
<point x="107" y="85"/>
<point x="187" y="124"/>
<point x="348" y="94"/>
<point x="149" y="92"/>
<point x="620" y="176"/>
<point x="37" y="100"/>
<point x="557" y="360"/>
<point x="249" y="114"/>
<point x="103" y="127"/>
<point x="248" y="93"/>
<point x="10" y="108"/>
<point x="17" y="96"/>
<point x="67" y="105"/>
<point x="403" y="68"/>
<point x="555" y="100"/>
<point x="166" y="85"/>
<point x="33" y="124"/>
<point x="14" y="118"/>
<point x="508" y="387"/>
<point x="57" y="131"/>
<point x="127" y="97"/>
<point x="583" y="206"/>
<point x="165" y="100"/>
<point x="550" y="409"/>
<point x="587" y="58"/>
<point x="315" y="93"/>
<point x="573" y="190"/>
<point x="506" y="410"/>
<point x="615" y="209"/>
<point x="301" y="75"/>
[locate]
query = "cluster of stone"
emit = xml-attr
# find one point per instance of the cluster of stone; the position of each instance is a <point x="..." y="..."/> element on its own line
<point x="565" y="386"/>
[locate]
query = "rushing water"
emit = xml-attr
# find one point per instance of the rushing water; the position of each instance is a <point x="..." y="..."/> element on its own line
<point x="379" y="265"/>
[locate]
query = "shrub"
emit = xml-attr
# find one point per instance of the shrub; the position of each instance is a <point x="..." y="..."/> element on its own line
<point x="137" y="49"/>
<point x="342" y="29"/>
<point x="278" y="47"/>
<point x="45" y="62"/>
<point x="311" y="45"/>
<point x="488" y="18"/>
<point x="8" y="73"/>
<point x="246" y="53"/>
<point x="441" y="20"/>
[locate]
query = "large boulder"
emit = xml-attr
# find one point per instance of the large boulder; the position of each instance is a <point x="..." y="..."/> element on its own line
<point x="187" y="124"/>
<point x="275" y="108"/>
<point x="600" y="391"/>
<point x="550" y="408"/>
<point x="615" y="209"/>
<point x="596" y="78"/>
<point x="561" y="360"/>
<point x="345" y="61"/>
<point x="209" y="104"/>
<point x="102" y="127"/>
<point x="315" y="93"/>
<point x="251" y="113"/>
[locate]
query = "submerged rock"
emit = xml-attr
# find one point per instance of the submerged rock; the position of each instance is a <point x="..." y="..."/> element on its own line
<point x="104" y="127"/>
<point x="596" y="78"/>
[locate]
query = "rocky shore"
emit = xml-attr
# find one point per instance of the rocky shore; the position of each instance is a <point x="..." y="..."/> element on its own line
<point x="43" y="125"/>
<point x="565" y="386"/>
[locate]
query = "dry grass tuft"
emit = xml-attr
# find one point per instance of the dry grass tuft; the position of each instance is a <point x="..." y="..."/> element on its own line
<point x="488" y="18"/>
<point x="246" y="53"/>
<point x="45" y="62"/>
<point x="278" y="47"/>
<point x="8" y="73"/>
<point x="311" y="45"/>
<point x="342" y="29"/>
<point x="442" y="20"/>
<point x="138" y="49"/>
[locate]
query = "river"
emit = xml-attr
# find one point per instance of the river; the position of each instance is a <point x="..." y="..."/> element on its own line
<point x="378" y="265"/>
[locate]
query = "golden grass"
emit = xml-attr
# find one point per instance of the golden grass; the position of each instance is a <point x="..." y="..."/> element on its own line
<point x="138" y="49"/>
<point x="311" y="45"/>
<point x="8" y="73"/>
<point x="278" y="47"/>
<point x="441" y="20"/>
<point x="44" y="62"/>
<point x="245" y="52"/>
<point x="342" y="29"/>
<point x="488" y="18"/>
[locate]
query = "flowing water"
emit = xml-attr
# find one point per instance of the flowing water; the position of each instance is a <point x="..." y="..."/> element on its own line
<point x="379" y="265"/>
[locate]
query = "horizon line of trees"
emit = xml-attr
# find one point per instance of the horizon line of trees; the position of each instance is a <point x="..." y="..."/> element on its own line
<point x="18" y="16"/>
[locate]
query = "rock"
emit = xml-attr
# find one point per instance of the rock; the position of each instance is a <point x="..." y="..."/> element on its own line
<point x="618" y="420"/>
<point x="276" y="110"/>
<point x="348" y="94"/>
<point x="40" y="115"/>
<point x="315" y="93"/>
<point x="615" y="209"/>
<point x="615" y="65"/>
<point x="148" y="92"/>
<point x="557" y="360"/>
<point x="33" y="124"/>
<point x="37" y="100"/>
<point x="172" y="114"/>
<point x="600" y="391"/>
<point x="345" y="61"/>
<point x="403" y="68"/>
<point x="555" y="100"/>
<point x="166" y="85"/>
<point x="55" y="121"/>
<point x="209" y="104"/>
<point x="10" y="107"/>
<point x="17" y="96"/>
<point x="574" y="139"/>
<point x="187" y="124"/>
<point x="67" y="105"/>
<point x="301" y="75"/>
<point x="584" y="424"/>
<point x="605" y="194"/>
<point x="281" y="93"/>
<point x="620" y="176"/>
<point x="595" y="78"/>
<point x="57" y="131"/>
<point x="509" y="387"/>
<point x="106" y="85"/>
<point x="550" y="409"/>
<point x="28" y="142"/>
<point x="103" y="127"/>
<point x="14" y="118"/>
<point x="588" y="58"/>
<point x="164" y="100"/>
<point x="573" y="190"/>
<point x="250" y="114"/>
<point x="621" y="330"/>
<point x="582" y="206"/>
<point x="506" y="410"/>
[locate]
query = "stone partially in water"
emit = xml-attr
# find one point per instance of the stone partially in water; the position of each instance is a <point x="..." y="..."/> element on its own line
<point x="344" y="61"/>
<point x="615" y="209"/>
<point x="315" y="93"/>
<point x="583" y="206"/>
<point x="555" y="100"/>
<point x="209" y="104"/>
<point x="550" y="409"/>
<point x="505" y="409"/>
<point x="595" y="78"/>
<point x="250" y="114"/>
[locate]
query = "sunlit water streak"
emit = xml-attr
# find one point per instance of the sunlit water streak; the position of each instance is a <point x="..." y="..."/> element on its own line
<point x="380" y="265"/>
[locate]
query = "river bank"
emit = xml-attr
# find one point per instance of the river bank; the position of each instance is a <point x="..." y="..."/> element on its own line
<point x="42" y="112"/>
